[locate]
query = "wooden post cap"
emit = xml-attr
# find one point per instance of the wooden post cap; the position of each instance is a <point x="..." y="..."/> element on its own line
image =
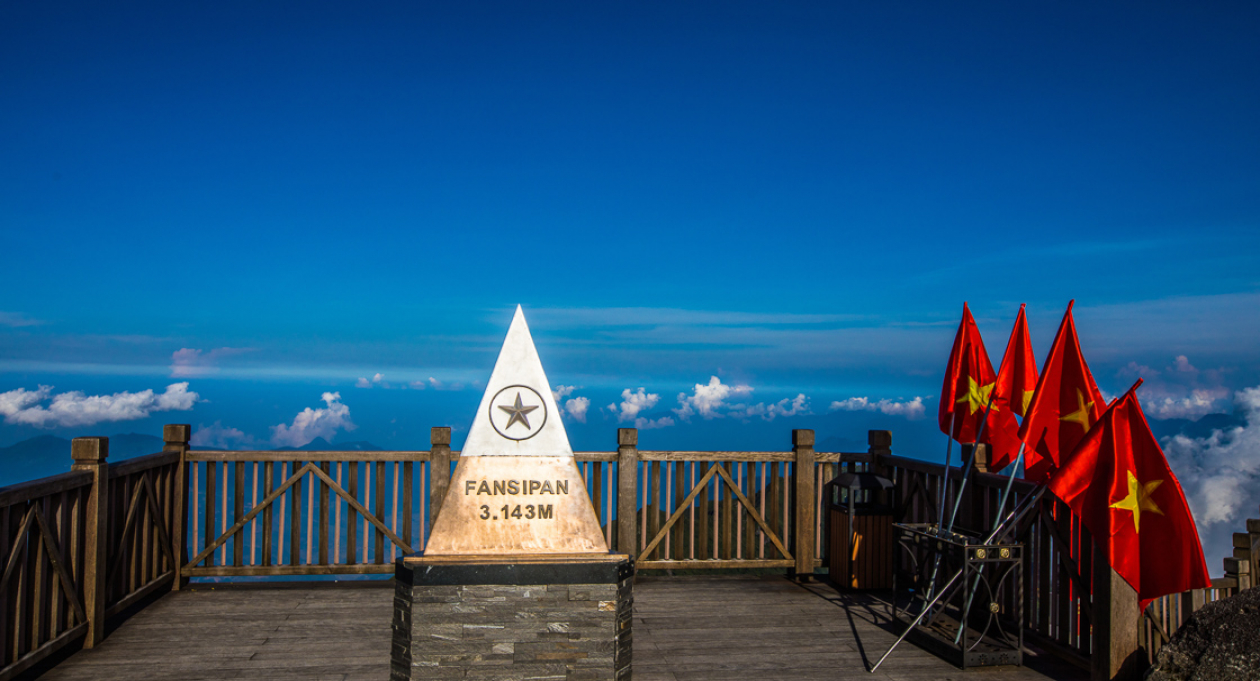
<point x="627" y="437"/>
<point x="440" y="435"/>
<point x="879" y="438"/>
<point x="89" y="449"/>
<point x="803" y="438"/>
<point x="176" y="433"/>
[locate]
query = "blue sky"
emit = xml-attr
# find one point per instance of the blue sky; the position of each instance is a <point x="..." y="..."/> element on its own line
<point x="271" y="203"/>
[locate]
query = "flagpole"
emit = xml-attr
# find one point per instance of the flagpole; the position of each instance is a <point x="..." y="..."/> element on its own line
<point x="949" y="450"/>
<point x="940" y="516"/>
<point x="971" y="459"/>
<point x="1015" y="516"/>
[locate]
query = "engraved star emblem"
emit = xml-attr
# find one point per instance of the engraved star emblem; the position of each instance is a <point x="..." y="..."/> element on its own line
<point x="1139" y="499"/>
<point x="1081" y="415"/>
<point x="977" y="395"/>
<point x="518" y="413"/>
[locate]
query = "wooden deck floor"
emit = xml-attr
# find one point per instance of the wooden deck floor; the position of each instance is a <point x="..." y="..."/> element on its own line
<point x="685" y="629"/>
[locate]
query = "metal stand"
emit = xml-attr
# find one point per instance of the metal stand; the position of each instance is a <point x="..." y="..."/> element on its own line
<point x="976" y="618"/>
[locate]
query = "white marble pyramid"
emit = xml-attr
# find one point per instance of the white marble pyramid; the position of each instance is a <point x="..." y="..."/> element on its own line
<point x="516" y="488"/>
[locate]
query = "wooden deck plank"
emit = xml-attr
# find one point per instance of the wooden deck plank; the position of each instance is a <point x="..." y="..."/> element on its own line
<point x="704" y="628"/>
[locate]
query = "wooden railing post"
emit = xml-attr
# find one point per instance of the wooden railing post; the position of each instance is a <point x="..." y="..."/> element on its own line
<point x="439" y="469"/>
<point x="803" y="536"/>
<point x="176" y="437"/>
<point x="1116" y="646"/>
<point x="89" y="454"/>
<point x="628" y="491"/>
<point x="1253" y="532"/>
<point x="879" y="445"/>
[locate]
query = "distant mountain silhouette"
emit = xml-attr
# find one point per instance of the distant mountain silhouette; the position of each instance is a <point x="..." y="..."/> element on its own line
<point x="1201" y="428"/>
<point x="320" y="444"/>
<point x="45" y="455"/>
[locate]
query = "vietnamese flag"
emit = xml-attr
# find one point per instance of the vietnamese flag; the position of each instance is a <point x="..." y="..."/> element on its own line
<point x="969" y="382"/>
<point x="1017" y="375"/>
<point x="1118" y="483"/>
<point x="1016" y="380"/>
<point x="1065" y="405"/>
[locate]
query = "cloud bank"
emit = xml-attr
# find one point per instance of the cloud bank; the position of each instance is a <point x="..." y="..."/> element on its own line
<point x="218" y="436"/>
<point x="912" y="409"/>
<point x="1220" y="475"/>
<point x="1180" y="391"/>
<point x="192" y="362"/>
<point x="23" y="407"/>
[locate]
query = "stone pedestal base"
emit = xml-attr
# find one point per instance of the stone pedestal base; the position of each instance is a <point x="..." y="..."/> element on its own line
<point x="513" y="617"/>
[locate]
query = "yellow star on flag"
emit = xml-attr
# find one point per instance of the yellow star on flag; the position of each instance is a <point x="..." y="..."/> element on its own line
<point x="1081" y="415"/>
<point x="1139" y="499"/>
<point x="1028" y="394"/>
<point x="977" y="396"/>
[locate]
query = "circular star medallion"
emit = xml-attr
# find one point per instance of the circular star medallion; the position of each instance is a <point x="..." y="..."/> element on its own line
<point x="518" y="412"/>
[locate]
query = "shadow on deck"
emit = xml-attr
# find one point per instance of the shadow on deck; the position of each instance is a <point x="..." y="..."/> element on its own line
<point x="686" y="628"/>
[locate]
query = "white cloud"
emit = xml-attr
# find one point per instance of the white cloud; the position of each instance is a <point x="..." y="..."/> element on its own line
<point x="362" y="383"/>
<point x="911" y="409"/>
<point x="377" y="379"/>
<point x="1220" y="475"/>
<point x="74" y="408"/>
<point x="17" y="320"/>
<point x="648" y="424"/>
<point x="632" y="403"/>
<point x="577" y="407"/>
<point x="706" y="400"/>
<point x="799" y="406"/>
<point x="439" y="385"/>
<point x="218" y="436"/>
<point x="312" y="423"/>
<point x="191" y="362"/>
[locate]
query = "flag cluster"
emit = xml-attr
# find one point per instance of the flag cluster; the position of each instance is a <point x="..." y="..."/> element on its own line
<point x="1102" y="461"/>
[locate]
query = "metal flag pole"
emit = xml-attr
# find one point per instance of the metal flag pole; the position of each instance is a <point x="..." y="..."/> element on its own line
<point x="970" y="460"/>
<point x="1010" y="481"/>
<point x="940" y="516"/>
<point x="1015" y="516"/>
<point x="949" y="450"/>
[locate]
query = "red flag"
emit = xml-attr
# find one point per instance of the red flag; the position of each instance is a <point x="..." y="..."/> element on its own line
<point x="1017" y="376"/>
<point x="1016" y="380"/>
<point x="969" y="381"/>
<point x="1119" y="484"/>
<point x="1065" y="405"/>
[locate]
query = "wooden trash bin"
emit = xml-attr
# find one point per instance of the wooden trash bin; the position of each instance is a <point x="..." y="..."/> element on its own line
<point x="859" y="520"/>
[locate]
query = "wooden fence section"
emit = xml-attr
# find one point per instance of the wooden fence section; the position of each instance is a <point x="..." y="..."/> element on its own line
<point x="83" y="546"/>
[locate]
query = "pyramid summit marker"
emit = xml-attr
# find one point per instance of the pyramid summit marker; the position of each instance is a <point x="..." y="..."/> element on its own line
<point x="517" y="488"/>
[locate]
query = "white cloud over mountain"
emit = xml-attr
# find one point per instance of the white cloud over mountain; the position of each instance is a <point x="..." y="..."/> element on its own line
<point x="76" y="408"/>
<point x="312" y="423"/>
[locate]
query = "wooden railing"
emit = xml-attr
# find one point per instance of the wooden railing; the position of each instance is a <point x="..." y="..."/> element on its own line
<point x="82" y="547"/>
<point x="85" y="546"/>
